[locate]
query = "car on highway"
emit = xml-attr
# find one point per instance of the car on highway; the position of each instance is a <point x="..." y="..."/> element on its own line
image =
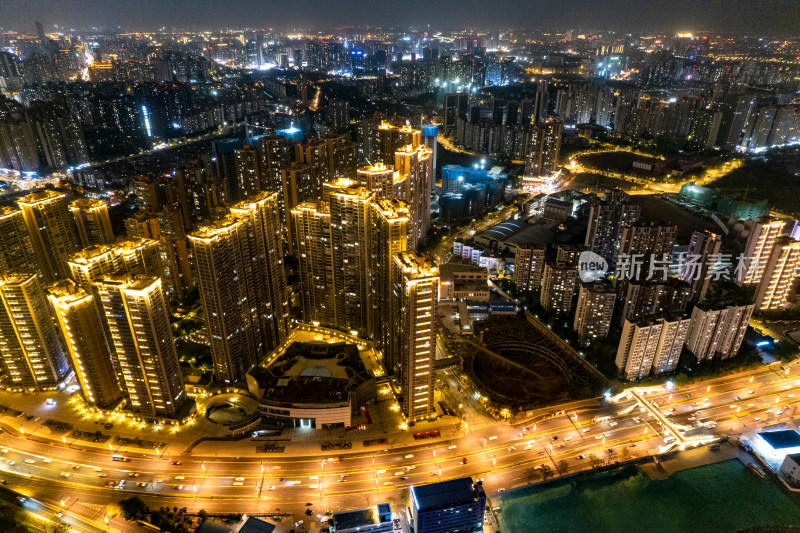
<point x="65" y="474"/>
<point x="410" y="456"/>
<point x="30" y="461"/>
<point x="555" y="437"/>
<point x="142" y="484"/>
<point x="540" y="453"/>
<point x="76" y="467"/>
<point x="121" y="458"/>
<point x="12" y="463"/>
<point x="403" y="477"/>
<point x="452" y="447"/>
<point x="312" y="477"/>
<point x="581" y="456"/>
<point x="102" y="474"/>
<point x="133" y="474"/>
<point x="46" y="460"/>
<point x="237" y="483"/>
<point x="239" y="479"/>
<point x="179" y="477"/>
<point x="464" y="460"/>
<point x="493" y="437"/>
<point x="174" y="463"/>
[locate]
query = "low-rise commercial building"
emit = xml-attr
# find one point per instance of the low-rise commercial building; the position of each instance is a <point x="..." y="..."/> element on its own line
<point x="454" y="506"/>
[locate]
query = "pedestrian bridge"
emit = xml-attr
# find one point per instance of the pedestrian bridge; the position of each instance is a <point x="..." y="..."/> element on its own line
<point x="677" y="431"/>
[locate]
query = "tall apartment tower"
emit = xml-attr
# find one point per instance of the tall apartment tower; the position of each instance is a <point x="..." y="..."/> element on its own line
<point x="415" y="162"/>
<point x="137" y="324"/>
<point x="529" y="266"/>
<point x="29" y="345"/>
<point x="650" y="346"/>
<point x="84" y="335"/>
<point x="703" y="245"/>
<point x="16" y="249"/>
<point x="273" y="157"/>
<point x="543" y="148"/>
<point x="607" y="219"/>
<point x="92" y="223"/>
<point x="415" y="284"/>
<point x="388" y="236"/>
<point x="759" y="248"/>
<point x="52" y="231"/>
<point x="648" y="239"/>
<point x="311" y="222"/>
<point x="248" y="174"/>
<point x="558" y="287"/>
<point x="242" y="285"/>
<point x="262" y="216"/>
<point x="349" y="208"/>
<point x="131" y="256"/>
<point x="593" y="312"/>
<point x="718" y="333"/>
<point x="778" y="274"/>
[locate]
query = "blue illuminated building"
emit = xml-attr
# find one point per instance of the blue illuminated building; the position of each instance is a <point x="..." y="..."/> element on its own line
<point x="468" y="191"/>
<point x="292" y="133"/>
<point x="454" y="506"/>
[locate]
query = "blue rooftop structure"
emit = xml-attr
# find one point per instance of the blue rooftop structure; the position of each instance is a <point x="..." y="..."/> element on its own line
<point x="782" y="439"/>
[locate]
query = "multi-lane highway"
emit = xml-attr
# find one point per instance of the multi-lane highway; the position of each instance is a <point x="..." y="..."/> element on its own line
<point x="564" y="437"/>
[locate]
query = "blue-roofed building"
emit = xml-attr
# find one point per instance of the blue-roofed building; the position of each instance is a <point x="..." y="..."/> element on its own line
<point x="454" y="506"/>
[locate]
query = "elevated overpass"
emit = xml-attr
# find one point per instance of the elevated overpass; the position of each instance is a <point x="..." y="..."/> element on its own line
<point x="677" y="431"/>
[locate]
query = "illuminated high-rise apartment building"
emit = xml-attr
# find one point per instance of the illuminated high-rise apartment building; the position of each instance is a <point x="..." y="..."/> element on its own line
<point x="85" y="340"/>
<point x="311" y="222"/>
<point x="16" y="249"/>
<point x="29" y="345"/>
<point x="349" y="207"/>
<point x="415" y="286"/>
<point x="759" y="248"/>
<point x="261" y="214"/>
<point x="248" y="175"/>
<point x="543" y="148"/>
<point x="137" y="321"/>
<point x="558" y="287"/>
<point x="651" y="346"/>
<point x="718" y="332"/>
<point x="387" y="236"/>
<point x="416" y="164"/>
<point x="92" y="223"/>
<point x="52" y="231"/>
<point x="778" y="274"/>
<point x="242" y="285"/>
<point x="593" y="311"/>
<point x="130" y="256"/>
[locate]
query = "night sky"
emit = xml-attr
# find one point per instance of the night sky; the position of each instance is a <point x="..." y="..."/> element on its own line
<point x="773" y="17"/>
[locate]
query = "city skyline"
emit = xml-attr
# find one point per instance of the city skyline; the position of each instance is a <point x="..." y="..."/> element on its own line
<point x="769" y="17"/>
<point x="361" y="278"/>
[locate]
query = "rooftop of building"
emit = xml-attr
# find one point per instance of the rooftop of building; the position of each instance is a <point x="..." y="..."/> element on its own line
<point x="417" y="265"/>
<point x="446" y="270"/>
<point x="254" y="525"/>
<point x="519" y="232"/>
<point x="452" y="492"/>
<point x="355" y="518"/>
<point x="781" y="439"/>
<point x="40" y="196"/>
<point x="87" y="203"/>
